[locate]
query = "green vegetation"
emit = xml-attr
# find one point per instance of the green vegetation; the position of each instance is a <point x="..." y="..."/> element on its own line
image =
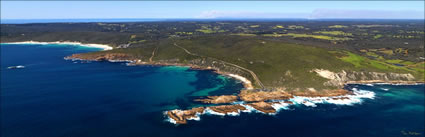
<point x="338" y="26"/>
<point x="372" y="54"/>
<point x="415" y="32"/>
<point x="377" y="36"/>
<point x="207" y="30"/>
<point x="386" y="51"/>
<point x="372" y="26"/>
<point x="401" y="62"/>
<point x="275" y="63"/>
<point x="383" y="65"/>
<point x="278" y="27"/>
<point x="139" y="41"/>
<point x="406" y="36"/>
<point x="323" y="37"/>
<point x="365" y="63"/>
<point x="184" y="33"/>
<point x="341" y="33"/>
<point x="133" y="36"/>
<point x="295" y="27"/>
<point x="254" y="26"/>
<point x="244" y="34"/>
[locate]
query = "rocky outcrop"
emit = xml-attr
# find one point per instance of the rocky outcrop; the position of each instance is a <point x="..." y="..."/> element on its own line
<point x="227" y="109"/>
<point x="323" y="93"/>
<point x="251" y="96"/>
<point x="218" y="99"/>
<point x="265" y="107"/>
<point x="338" y="79"/>
<point x="181" y="116"/>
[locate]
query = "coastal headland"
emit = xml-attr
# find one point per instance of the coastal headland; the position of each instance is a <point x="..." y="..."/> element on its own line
<point x="250" y="99"/>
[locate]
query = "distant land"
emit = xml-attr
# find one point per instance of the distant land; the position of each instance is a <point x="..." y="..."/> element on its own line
<point x="117" y="20"/>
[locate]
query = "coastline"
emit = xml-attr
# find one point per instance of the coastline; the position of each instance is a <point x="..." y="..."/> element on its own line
<point x="249" y="100"/>
<point x="245" y="82"/>
<point x="381" y="82"/>
<point x="133" y="62"/>
<point x="102" y="46"/>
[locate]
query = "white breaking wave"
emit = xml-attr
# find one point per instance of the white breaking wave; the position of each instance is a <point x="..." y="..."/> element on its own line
<point x="168" y="119"/>
<point x="233" y="113"/>
<point x="386" y="89"/>
<point x="281" y="105"/>
<point x="197" y="118"/>
<point x="249" y="109"/>
<point x="16" y="67"/>
<point x="211" y="112"/>
<point x="356" y="98"/>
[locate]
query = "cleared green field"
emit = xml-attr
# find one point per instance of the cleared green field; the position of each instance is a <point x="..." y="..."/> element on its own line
<point x="296" y="35"/>
<point x="382" y="65"/>
<point x="336" y="33"/>
<point x="244" y="34"/>
<point x="338" y="26"/>
<point x="377" y="36"/>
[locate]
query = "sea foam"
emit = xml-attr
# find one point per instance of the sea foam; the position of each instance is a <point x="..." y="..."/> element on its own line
<point x="356" y="98"/>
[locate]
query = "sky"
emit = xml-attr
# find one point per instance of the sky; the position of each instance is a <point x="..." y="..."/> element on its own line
<point x="212" y="9"/>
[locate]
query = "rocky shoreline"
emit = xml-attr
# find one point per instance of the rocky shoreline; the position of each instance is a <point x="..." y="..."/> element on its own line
<point x="248" y="99"/>
<point x="385" y="82"/>
<point x="218" y="99"/>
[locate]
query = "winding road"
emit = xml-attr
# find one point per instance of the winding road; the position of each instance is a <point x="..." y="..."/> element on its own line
<point x="153" y="54"/>
<point x="257" y="80"/>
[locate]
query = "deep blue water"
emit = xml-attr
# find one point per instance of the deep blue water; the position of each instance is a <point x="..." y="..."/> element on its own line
<point x="56" y="97"/>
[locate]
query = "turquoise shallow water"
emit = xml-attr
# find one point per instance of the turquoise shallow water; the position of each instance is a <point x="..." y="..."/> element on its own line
<point x="56" y="97"/>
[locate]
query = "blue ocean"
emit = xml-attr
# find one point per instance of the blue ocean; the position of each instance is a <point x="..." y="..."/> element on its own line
<point x="53" y="97"/>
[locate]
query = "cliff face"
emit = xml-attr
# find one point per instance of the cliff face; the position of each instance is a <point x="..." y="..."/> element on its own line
<point x="340" y="78"/>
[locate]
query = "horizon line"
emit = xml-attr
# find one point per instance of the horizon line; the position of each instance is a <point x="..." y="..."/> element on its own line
<point x="219" y="18"/>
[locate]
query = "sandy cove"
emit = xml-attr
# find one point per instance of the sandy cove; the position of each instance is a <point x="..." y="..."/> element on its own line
<point x="102" y="46"/>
